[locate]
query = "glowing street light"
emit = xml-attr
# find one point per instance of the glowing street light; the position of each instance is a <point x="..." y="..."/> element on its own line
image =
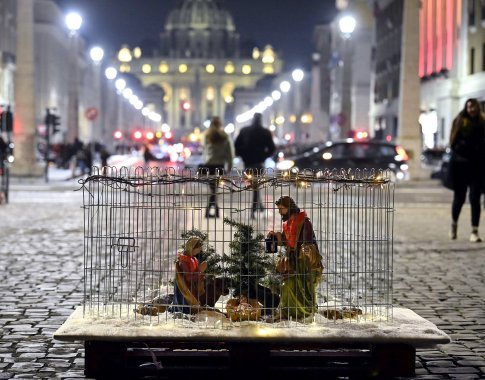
<point x="110" y="73"/>
<point x="297" y="75"/>
<point x="96" y="53"/>
<point x="285" y="86"/>
<point x="120" y="84"/>
<point x="276" y="95"/>
<point x="74" y="21"/>
<point x="346" y="25"/>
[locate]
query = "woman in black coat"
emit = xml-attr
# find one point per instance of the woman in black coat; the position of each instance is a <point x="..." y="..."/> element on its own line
<point x="467" y="164"/>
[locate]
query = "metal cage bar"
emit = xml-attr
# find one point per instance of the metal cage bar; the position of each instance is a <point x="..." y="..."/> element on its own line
<point x="137" y="220"/>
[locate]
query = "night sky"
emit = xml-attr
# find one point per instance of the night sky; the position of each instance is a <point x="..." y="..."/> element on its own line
<point x="285" y="24"/>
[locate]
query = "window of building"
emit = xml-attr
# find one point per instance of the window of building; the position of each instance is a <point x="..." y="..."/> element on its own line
<point x="472" y="61"/>
<point x="471" y="13"/>
<point x="482" y="11"/>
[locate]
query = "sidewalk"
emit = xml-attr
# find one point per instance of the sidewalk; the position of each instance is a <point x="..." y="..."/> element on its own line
<point x="41" y="261"/>
<point x="58" y="179"/>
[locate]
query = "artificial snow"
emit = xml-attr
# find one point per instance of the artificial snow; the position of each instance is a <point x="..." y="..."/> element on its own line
<point x="405" y="326"/>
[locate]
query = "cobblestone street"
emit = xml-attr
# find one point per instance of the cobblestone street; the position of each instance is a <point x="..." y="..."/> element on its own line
<point x="41" y="260"/>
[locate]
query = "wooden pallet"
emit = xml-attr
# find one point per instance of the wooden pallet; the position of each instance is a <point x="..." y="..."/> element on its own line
<point x="253" y="350"/>
<point x="178" y="360"/>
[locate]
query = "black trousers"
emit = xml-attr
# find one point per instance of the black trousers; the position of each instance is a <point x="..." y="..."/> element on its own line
<point x="211" y="170"/>
<point x="466" y="177"/>
<point x="255" y="169"/>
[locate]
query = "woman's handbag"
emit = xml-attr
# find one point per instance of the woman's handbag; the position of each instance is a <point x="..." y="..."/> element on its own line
<point x="447" y="179"/>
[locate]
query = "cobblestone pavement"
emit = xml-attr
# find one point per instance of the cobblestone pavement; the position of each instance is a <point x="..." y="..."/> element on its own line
<point x="41" y="281"/>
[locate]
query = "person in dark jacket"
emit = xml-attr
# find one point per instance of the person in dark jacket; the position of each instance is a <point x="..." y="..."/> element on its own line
<point x="467" y="164"/>
<point x="218" y="155"/>
<point x="254" y="145"/>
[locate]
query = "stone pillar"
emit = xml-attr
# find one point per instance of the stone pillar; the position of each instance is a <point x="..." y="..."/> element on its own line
<point x="24" y="116"/>
<point x="410" y="90"/>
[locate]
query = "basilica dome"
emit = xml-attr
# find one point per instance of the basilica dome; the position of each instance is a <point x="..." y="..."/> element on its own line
<point x="200" y="29"/>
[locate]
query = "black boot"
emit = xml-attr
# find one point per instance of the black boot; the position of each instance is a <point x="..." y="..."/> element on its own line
<point x="208" y="212"/>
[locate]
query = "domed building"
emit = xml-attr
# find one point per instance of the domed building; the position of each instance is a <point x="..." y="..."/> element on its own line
<point x="198" y="64"/>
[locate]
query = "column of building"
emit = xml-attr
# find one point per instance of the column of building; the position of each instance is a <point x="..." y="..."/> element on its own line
<point x="409" y="107"/>
<point x="24" y="121"/>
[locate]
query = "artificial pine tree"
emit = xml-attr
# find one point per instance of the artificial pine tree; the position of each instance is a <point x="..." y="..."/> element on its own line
<point x="248" y="266"/>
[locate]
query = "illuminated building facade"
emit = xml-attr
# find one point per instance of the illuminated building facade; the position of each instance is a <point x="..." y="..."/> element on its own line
<point x="445" y="46"/>
<point x="198" y="64"/>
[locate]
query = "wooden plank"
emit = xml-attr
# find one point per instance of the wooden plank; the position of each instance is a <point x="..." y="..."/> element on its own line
<point x="111" y="359"/>
<point x="394" y="359"/>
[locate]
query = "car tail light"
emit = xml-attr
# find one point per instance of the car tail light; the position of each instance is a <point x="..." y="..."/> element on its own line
<point x="401" y="154"/>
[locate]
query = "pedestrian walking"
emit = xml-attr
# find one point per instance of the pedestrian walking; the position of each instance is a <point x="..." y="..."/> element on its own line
<point x="467" y="164"/>
<point x="218" y="155"/>
<point x="254" y="145"/>
<point x="148" y="156"/>
<point x="104" y="154"/>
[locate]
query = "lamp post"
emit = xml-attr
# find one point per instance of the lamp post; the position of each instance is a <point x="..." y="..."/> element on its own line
<point x="298" y="76"/>
<point x="96" y="53"/>
<point x="285" y="87"/>
<point x="347" y="26"/>
<point x="73" y="23"/>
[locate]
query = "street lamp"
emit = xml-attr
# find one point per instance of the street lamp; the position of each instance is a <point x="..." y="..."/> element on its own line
<point x="97" y="129"/>
<point x="285" y="86"/>
<point x="110" y="73"/>
<point x="73" y="22"/>
<point x="120" y="84"/>
<point x="346" y="25"/>
<point x="96" y="53"/>
<point x="297" y="76"/>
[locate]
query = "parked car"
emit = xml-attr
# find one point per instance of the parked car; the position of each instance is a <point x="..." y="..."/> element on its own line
<point x="432" y="158"/>
<point x="442" y="172"/>
<point x="353" y="154"/>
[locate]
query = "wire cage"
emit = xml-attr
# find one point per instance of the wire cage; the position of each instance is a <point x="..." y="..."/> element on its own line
<point x="143" y="228"/>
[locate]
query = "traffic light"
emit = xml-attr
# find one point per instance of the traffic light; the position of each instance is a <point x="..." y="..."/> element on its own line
<point x="56" y="121"/>
<point x="52" y="120"/>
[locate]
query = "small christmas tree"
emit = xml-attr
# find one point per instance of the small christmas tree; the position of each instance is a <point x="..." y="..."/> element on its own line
<point x="248" y="265"/>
